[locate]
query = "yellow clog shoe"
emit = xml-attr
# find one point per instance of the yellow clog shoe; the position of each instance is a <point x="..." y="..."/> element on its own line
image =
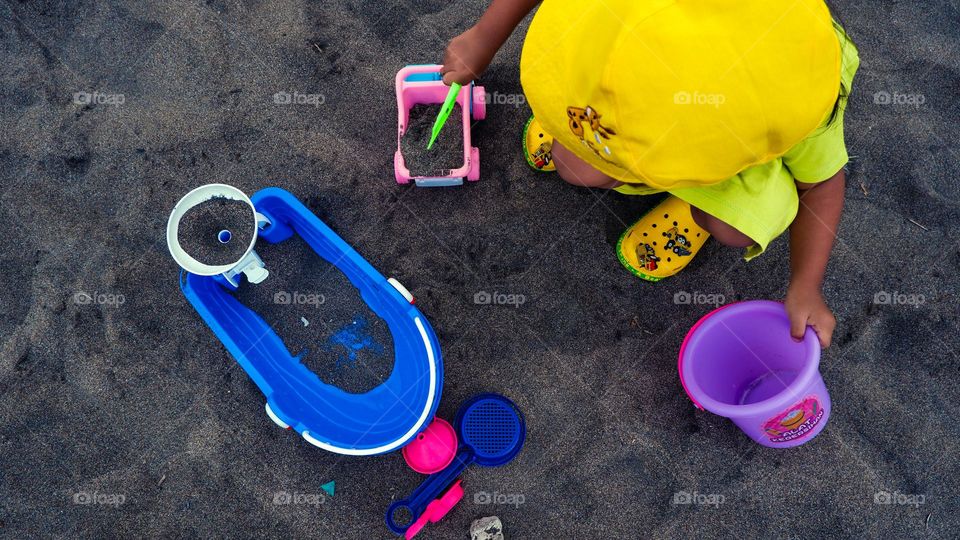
<point x="662" y="242"/>
<point x="537" y="146"/>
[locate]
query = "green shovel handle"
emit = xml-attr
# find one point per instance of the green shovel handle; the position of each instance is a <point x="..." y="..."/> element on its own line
<point x="444" y="112"/>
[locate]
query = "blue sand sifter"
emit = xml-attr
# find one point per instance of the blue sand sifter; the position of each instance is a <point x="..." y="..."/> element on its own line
<point x="491" y="431"/>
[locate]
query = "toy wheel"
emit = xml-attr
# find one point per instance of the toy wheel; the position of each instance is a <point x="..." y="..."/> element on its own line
<point x="276" y="231"/>
<point x="474" y="173"/>
<point x="479" y="103"/>
<point x="276" y="419"/>
<point x="401" y="289"/>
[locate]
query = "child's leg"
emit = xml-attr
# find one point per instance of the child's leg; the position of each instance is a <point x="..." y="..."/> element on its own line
<point x="577" y="171"/>
<point x="725" y="233"/>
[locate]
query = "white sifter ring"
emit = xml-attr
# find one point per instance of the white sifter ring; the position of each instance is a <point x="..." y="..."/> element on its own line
<point x="198" y="196"/>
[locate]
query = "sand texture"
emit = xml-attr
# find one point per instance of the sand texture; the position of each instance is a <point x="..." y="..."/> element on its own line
<point x="111" y="385"/>
<point x="447" y="150"/>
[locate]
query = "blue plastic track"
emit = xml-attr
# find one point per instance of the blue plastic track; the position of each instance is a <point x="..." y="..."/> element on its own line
<point x="379" y="421"/>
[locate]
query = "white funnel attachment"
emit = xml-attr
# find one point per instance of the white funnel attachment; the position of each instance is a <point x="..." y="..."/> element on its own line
<point x="249" y="264"/>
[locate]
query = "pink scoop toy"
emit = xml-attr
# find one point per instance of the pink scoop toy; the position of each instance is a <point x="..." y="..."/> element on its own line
<point x="433" y="449"/>
<point x="436" y="509"/>
<point x="430" y="452"/>
<point x="422" y="84"/>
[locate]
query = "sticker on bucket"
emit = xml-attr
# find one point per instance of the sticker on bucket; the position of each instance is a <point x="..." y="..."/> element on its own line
<point x="795" y="422"/>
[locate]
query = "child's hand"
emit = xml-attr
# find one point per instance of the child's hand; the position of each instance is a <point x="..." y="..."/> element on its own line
<point x="467" y="56"/>
<point x="806" y="307"/>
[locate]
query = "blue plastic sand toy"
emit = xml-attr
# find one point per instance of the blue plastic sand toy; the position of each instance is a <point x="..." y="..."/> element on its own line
<point x="379" y="421"/>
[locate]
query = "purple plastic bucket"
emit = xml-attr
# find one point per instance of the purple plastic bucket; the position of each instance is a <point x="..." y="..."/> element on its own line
<point x="740" y="362"/>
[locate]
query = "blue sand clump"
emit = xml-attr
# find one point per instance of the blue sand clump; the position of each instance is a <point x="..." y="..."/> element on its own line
<point x="321" y="317"/>
<point x="353" y="338"/>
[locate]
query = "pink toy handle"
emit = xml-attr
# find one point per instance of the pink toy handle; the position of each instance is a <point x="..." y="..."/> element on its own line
<point x="422" y="68"/>
<point x="431" y="488"/>
<point x="406" y="71"/>
<point x="413" y="70"/>
<point x="401" y="80"/>
<point x="437" y="509"/>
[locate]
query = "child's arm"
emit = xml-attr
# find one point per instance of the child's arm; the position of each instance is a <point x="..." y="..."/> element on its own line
<point x="469" y="54"/>
<point x="811" y="239"/>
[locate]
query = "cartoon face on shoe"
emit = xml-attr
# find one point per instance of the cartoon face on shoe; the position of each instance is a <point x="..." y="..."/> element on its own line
<point x="543" y="155"/>
<point x="677" y="242"/>
<point x="647" y="256"/>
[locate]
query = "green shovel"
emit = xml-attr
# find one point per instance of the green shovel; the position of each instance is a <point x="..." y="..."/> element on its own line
<point x="444" y="112"/>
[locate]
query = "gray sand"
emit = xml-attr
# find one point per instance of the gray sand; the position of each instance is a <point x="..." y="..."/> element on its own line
<point x="130" y="394"/>
<point x="320" y="316"/>
<point x="447" y="150"/>
<point x="201" y="231"/>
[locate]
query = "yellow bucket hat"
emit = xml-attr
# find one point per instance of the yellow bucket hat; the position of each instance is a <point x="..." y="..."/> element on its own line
<point x="675" y="93"/>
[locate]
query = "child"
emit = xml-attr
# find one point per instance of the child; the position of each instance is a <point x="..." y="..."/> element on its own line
<point x="735" y="109"/>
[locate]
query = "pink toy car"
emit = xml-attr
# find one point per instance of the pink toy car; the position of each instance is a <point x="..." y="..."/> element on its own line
<point x="422" y="84"/>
